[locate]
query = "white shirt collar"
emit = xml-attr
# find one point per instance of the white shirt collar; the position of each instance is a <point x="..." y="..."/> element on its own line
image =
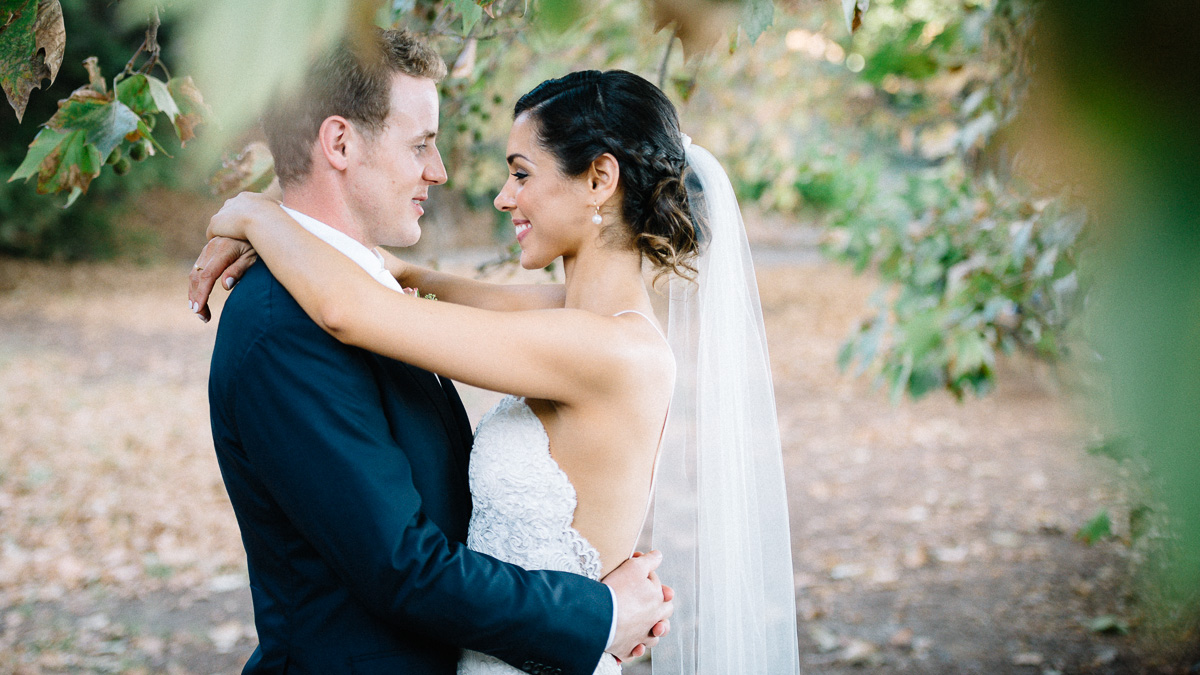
<point x="366" y="258"/>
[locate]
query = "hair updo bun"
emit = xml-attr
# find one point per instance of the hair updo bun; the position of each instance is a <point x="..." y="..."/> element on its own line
<point x="588" y="113"/>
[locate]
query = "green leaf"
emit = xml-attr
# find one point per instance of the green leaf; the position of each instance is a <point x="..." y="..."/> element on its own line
<point x="106" y="123"/>
<point x="73" y="163"/>
<point x="43" y="144"/>
<point x="143" y="131"/>
<point x="1099" y="527"/>
<point x="32" y="42"/>
<point x="75" y="192"/>
<point x="163" y="100"/>
<point x="134" y="91"/>
<point x="559" y="15"/>
<point x="971" y="354"/>
<point x="757" y="16"/>
<point x="471" y="14"/>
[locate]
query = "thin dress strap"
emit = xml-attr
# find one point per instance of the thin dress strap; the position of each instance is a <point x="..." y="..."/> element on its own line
<point x="658" y="448"/>
<point x="651" y="321"/>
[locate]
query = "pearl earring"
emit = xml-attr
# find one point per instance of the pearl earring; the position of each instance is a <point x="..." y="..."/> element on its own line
<point x="597" y="219"/>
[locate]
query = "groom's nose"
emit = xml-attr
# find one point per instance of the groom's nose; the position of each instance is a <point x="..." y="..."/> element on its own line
<point x="435" y="171"/>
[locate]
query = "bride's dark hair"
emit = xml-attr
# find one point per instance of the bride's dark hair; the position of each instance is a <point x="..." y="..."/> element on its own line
<point x="585" y="114"/>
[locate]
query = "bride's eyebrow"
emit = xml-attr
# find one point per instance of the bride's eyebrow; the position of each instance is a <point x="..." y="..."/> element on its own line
<point x="517" y="155"/>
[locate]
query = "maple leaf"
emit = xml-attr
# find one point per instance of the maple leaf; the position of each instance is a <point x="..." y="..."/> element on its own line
<point x="252" y="170"/>
<point x="69" y="152"/>
<point x="32" y="42"/>
<point x="193" y="111"/>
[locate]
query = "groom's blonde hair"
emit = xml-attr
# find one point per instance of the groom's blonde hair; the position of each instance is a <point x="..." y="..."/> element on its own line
<point x="352" y="81"/>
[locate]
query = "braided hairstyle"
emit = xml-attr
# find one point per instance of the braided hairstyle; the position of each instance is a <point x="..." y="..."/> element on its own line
<point x="585" y="114"/>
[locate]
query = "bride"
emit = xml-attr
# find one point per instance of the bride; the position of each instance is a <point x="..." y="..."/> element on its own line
<point x="563" y="470"/>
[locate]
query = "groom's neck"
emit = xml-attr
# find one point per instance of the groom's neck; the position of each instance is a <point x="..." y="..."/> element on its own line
<point x="327" y="207"/>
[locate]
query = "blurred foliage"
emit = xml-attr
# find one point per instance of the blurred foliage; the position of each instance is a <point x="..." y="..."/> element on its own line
<point x="101" y="125"/>
<point x="893" y="136"/>
<point x="973" y="266"/>
<point x="1116" y="116"/>
<point x="243" y="54"/>
<point x="974" y="262"/>
<point x="31" y="224"/>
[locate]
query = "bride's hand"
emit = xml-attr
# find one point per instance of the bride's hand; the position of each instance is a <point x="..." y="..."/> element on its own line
<point x="239" y="213"/>
<point x="222" y="258"/>
<point x="228" y="255"/>
<point x="395" y="266"/>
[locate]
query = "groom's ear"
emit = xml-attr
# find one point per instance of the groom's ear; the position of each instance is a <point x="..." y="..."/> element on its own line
<point x="603" y="176"/>
<point x="332" y="141"/>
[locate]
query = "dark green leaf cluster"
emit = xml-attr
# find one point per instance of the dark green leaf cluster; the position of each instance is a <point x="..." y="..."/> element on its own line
<point x="96" y="123"/>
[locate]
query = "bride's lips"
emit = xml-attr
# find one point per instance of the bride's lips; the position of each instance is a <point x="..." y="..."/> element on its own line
<point x="523" y="227"/>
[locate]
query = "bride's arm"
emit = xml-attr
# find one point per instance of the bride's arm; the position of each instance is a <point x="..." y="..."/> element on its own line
<point x="224" y="261"/>
<point x="474" y="293"/>
<point x="562" y="355"/>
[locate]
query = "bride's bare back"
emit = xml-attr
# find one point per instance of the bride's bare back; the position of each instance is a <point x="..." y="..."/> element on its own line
<point x="608" y="446"/>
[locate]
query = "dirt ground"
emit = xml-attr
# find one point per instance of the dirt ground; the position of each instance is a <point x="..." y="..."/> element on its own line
<point x="928" y="537"/>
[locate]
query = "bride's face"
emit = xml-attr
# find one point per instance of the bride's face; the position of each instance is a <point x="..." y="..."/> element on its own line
<point x="550" y="211"/>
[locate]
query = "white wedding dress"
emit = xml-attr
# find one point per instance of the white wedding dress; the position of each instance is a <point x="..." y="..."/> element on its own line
<point x="523" y="509"/>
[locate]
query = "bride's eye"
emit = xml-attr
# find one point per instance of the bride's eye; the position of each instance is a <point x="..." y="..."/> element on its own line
<point x="520" y="175"/>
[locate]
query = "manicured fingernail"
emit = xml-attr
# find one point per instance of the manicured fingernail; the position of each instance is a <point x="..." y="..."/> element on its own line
<point x="228" y="283"/>
<point x="203" y="318"/>
<point x="192" y="306"/>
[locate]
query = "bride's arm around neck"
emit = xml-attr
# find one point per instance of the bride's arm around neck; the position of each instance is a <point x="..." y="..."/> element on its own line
<point x="462" y="290"/>
<point x="564" y="355"/>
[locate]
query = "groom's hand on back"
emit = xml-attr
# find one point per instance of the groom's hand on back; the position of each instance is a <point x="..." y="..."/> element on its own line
<point x="643" y="605"/>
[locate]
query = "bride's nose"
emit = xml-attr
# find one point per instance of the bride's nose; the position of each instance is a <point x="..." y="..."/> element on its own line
<point x="504" y="201"/>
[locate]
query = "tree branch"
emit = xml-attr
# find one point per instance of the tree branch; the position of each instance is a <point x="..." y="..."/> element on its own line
<point x="662" y="68"/>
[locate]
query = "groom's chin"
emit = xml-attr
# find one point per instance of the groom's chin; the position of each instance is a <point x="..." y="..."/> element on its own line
<point x="409" y="237"/>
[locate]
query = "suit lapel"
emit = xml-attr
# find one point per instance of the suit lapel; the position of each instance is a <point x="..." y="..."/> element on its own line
<point x="462" y="423"/>
<point x="449" y="409"/>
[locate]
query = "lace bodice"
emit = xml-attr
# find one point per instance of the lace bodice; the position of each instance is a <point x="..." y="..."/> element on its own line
<point x="524" y="505"/>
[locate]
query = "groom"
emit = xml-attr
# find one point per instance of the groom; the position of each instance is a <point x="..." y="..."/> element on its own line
<point x="348" y="471"/>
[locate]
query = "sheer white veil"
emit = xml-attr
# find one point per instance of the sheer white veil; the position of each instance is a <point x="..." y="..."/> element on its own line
<point x="720" y="512"/>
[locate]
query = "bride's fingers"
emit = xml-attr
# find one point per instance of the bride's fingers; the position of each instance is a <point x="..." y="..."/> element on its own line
<point x="668" y="593"/>
<point x="221" y="259"/>
<point x="639" y="650"/>
<point x="235" y="271"/>
<point x="661" y="628"/>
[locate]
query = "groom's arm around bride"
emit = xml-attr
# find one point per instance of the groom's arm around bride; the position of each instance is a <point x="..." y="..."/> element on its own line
<point x="353" y="512"/>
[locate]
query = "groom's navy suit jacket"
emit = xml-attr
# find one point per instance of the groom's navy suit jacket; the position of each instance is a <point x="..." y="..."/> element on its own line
<point x="348" y="475"/>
